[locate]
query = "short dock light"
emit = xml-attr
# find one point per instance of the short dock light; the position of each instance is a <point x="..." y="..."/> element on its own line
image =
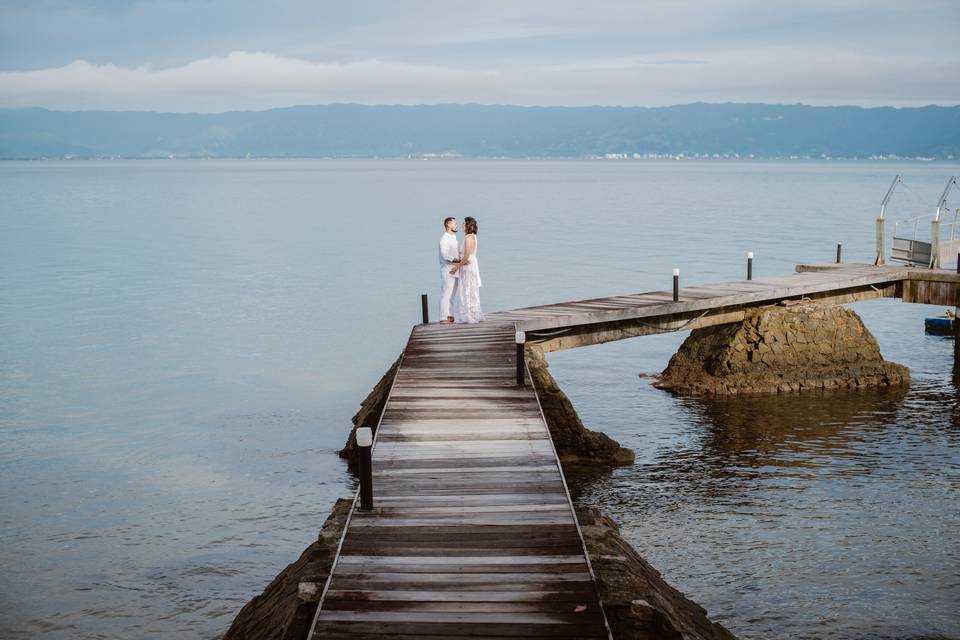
<point x="676" y="285"/>
<point x="365" y="460"/>
<point x="521" y="365"/>
<point x="839" y="252"/>
<point x="364" y="437"/>
<point x="423" y="308"/>
<point x="749" y="265"/>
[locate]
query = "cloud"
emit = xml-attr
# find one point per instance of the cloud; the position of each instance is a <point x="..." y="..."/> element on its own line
<point x="173" y="55"/>
<point x="240" y="80"/>
<point x="260" y="80"/>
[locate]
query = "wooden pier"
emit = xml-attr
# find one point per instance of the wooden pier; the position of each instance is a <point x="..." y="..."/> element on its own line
<point x="473" y="532"/>
<point x="584" y="322"/>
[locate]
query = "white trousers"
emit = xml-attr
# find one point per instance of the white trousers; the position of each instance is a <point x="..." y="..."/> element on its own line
<point x="448" y="286"/>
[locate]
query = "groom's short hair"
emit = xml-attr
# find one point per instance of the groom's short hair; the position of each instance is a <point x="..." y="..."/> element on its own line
<point x="446" y="221"/>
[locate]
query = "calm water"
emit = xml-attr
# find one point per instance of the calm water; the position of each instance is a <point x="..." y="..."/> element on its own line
<point x="182" y="344"/>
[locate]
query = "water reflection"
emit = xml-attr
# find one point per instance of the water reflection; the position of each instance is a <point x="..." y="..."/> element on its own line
<point x="182" y="353"/>
<point x="956" y="372"/>
<point x="787" y="515"/>
<point x="791" y="430"/>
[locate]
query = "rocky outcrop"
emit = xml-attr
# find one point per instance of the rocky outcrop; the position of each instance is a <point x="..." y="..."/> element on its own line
<point x="285" y="609"/>
<point x="575" y="443"/>
<point x="369" y="414"/>
<point x="638" y="602"/>
<point x="779" y="350"/>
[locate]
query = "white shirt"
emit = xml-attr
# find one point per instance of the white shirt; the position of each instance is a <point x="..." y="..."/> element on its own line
<point x="449" y="251"/>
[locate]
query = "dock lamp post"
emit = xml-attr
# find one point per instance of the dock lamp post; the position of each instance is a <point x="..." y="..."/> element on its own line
<point x="365" y="460"/>
<point x="749" y="265"/>
<point x="521" y="365"/>
<point x="676" y="285"/>
<point x="423" y="308"/>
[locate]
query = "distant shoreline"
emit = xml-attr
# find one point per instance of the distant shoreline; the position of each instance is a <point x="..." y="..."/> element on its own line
<point x="696" y="131"/>
<point x="456" y="158"/>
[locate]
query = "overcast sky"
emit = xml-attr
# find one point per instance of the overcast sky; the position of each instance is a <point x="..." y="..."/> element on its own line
<point x="219" y="55"/>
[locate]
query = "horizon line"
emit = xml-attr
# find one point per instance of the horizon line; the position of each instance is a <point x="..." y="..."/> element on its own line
<point x="490" y="105"/>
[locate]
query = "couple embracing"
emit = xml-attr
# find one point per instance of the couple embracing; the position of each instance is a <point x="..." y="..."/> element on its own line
<point x="459" y="274"/>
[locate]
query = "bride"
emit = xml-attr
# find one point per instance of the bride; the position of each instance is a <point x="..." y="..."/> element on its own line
<point x="467" y="304"/>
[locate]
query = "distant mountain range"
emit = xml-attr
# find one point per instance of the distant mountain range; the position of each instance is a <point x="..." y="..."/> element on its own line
<point x="735" y="130"/>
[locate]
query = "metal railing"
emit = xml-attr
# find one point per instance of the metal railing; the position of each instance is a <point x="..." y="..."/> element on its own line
<point x="911" y="242"/>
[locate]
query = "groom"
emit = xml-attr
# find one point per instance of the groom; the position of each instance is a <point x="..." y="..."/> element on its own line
<point x="449" y="256"/>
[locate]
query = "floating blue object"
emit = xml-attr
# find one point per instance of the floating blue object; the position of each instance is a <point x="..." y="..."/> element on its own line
<point x="941" y="326"/>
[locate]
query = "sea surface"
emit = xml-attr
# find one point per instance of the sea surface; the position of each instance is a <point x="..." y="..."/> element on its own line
<point x="183" y="343"/>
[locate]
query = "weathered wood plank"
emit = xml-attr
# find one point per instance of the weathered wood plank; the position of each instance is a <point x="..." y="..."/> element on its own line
<point x="465" y="500"/>
<point x="450" y="582"/>
<point x="505" y="560"/>
<point x="378" y="547"/>
<point x="353" y="635"/>
<point x="352" y="604"/>
<point x="472" y="462"/>
<point x="492" y="629"/>
<point x="514" y="519"/>
<point x="504" y="617"/>
<point x="458" y="580"/>
<point x="440" y="595"/>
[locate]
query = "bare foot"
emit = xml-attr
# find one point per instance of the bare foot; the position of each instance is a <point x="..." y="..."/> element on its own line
<point x="450" y="318"/>
<point x="446" y="321"/>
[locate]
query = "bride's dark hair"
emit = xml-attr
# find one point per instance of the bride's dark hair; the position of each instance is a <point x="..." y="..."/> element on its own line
<point x="470" y="224"/>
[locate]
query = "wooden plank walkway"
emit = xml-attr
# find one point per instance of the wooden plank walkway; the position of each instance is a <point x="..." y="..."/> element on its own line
<point x="473" y="532"/>
<point x="826" y="279"/>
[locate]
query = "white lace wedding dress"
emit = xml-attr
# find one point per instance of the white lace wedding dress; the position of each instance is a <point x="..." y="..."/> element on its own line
<point x="467" y="307"/>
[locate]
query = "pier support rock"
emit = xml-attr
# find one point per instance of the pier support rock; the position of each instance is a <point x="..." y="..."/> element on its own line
<point x="639" y="603"/>
<point x="575" y="443"/>
<point x="285" y="609"/>
<point x="369" y="414"/>
<point x="781" y="349"/>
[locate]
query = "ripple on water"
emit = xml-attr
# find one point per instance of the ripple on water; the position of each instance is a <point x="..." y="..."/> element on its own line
<point x="825" y="515"/>
<point x="183" y="346"/>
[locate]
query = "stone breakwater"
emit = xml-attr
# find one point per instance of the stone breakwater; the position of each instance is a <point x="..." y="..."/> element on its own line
<point x="638" y="603"/>
<point x="781" y="349"/>
<point x="285" y="609"/>
<point x="369" y="414"/>
<point x="575" y="443"/>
